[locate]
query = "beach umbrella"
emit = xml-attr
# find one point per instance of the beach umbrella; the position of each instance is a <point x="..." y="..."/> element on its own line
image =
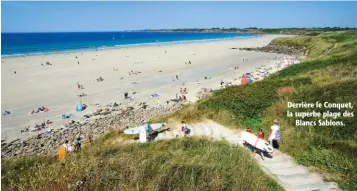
<point x="244" y="81"/>
<point x="79" y="107"/>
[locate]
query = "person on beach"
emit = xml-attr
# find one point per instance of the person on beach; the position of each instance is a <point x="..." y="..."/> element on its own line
<point x="15" y="72"/>
<point x="78" y="62"/>
<point x="177" y="78"/>
<point x="275" y="134"/>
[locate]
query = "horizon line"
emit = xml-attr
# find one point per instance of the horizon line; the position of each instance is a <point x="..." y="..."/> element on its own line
<point x="211" y="28"/>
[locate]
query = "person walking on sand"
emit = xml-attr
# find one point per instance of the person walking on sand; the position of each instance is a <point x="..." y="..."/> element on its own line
<point x="177" y="78"/>
<point x="275" y="134"/>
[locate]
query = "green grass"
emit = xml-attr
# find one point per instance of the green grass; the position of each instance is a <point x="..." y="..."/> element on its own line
<point x="181" y="164"/>
<point x="329" y="73"/>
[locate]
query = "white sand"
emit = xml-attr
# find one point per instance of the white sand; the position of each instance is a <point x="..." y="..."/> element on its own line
<point x="55" y="86"/>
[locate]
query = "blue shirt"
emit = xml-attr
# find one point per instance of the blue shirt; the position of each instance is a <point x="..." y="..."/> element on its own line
<point x="148" y="127"/>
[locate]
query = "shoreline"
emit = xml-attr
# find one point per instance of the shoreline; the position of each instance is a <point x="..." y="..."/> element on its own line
<point x="125" y="46"/>
<point x="218" y="65"/>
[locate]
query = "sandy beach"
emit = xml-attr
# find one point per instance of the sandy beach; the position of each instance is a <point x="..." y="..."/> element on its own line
<point x="54" y="86"/>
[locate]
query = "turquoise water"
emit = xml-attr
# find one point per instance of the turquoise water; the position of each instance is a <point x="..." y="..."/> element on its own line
<point x="18" y="44"/>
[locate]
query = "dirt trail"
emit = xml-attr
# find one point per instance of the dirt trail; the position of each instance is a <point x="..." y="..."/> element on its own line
<point x="282" y="167"/>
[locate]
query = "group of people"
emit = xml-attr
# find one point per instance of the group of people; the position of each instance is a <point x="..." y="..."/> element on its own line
<point x="79" y="86"/>
<point x="37" y="127"/>
<point x="40" y="109"/>
<point x="180" y="98"/>
<point x="134" y="72"/>
<point x="175" y="77"/>
<point x="66" y="147"/>
<point x="100" y="79"/>
<point x="274" y="135"/>
<point x="187" y="63"/>
<point x="183" y="91"/>
<point x="147" y="129"/>
<point x="47" y="64"/>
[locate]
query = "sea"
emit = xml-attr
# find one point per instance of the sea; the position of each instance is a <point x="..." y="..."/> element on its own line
<point x="22" y="44"/>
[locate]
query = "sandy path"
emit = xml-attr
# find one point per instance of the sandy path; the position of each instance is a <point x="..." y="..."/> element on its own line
<point x="55" y="86"/>
<point x="281" y="167"/>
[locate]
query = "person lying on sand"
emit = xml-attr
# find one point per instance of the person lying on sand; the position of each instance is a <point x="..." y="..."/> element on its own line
<point x="82" y="94"/>
<point x="6" y="113"/>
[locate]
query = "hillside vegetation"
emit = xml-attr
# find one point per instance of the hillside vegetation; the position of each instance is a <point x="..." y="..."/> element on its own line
<point x="180" y="164"/>
<point x="255" y="30"/>
<point x="329" y="74"/>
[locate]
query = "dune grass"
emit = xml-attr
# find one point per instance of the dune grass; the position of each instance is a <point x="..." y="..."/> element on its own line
<point x="329" y="73"/>
<point x="181" y="164"/>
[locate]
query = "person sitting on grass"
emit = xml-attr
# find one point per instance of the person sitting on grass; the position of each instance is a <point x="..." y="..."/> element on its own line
<point x="77" y="144"/>
<point x="184" y="129"/>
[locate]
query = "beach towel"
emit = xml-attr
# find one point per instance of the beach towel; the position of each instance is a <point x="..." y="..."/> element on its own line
<point x="7" y="113"/>
<point x="66" y="116"/>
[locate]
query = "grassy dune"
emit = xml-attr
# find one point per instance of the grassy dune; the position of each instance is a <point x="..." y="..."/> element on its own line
<point x="181" y="164"/>
<point x="329" y="73"/>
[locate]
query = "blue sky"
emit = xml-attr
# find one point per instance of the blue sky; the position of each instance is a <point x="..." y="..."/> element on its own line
<point x="117" y="16"/>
